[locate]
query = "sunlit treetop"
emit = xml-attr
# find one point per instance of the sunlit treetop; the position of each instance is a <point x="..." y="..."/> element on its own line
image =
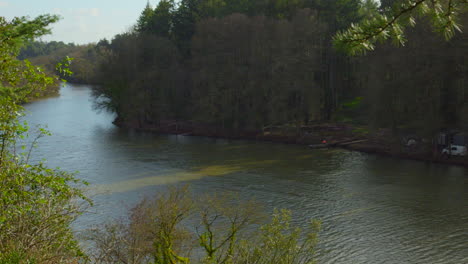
<point x="19" y="29"/>
<point x="19" y="79"/>
<point x="390" y="23"/>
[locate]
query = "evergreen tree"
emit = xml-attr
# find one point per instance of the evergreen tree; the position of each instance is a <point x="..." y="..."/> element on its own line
<point x="145" y="21"/>
<point x="162" y="23"/>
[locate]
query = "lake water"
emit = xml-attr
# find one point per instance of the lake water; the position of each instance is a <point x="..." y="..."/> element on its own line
<point x="373" y="209"/>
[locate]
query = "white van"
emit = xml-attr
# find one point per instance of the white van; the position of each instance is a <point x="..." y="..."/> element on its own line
<point x="455" y="150"/>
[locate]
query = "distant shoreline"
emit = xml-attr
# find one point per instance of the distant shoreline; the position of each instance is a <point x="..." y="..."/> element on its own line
<point x="335" y="139"/>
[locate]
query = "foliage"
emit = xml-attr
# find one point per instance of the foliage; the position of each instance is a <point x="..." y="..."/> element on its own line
<point x="62" y="67"/>
<point x="39" y="48"/>
<point x="173" y="227"/>
<point x="177" y="20"/>
<point x="148" y="80"/>
<point x="237" y="66"/>
<point x="281" y="243"/>
<point x="84" y="64"/>
<point x="36" y="209"/>
<point x="390" y="23"/>
<point x="428" y="97"/>
<point x="154" y="233"/>
<point x="144" y="22"/>
<point x="15" y="32"/>
<point x="222" y="225"/>
<point x="20" y="79"/>
<point x="37" y="204"/>
<point x="350" y="111"/>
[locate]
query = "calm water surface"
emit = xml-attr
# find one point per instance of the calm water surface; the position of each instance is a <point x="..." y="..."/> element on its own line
<point x="373" y="209"/>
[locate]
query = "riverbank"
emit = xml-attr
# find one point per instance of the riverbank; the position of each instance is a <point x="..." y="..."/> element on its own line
<point x="336" y="136"/>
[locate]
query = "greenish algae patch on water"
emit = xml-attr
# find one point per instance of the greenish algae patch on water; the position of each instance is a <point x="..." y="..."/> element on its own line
<point x="164" y="179"/>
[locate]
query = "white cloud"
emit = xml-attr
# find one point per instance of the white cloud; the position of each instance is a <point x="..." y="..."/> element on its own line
<point x="94" y="12"/>
<point x="4" y="4"/>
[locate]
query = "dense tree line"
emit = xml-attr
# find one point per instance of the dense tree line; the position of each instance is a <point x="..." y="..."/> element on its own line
<point x="232" y="64"/>
<point x="35" y="48"/>
<point x="247" y="65"/>
<point x="419" y="87"/>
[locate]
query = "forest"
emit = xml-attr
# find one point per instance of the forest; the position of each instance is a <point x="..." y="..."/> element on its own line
<point x="237" y="66"/>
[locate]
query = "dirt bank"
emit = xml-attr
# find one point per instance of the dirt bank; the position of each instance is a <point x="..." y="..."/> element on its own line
<point x="336" y="136"/>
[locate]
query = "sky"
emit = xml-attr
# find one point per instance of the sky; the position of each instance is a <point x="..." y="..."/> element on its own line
<point x="83" y="21"/>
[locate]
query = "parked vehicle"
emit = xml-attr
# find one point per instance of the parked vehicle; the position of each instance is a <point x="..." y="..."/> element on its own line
<point x="455" y="150"/>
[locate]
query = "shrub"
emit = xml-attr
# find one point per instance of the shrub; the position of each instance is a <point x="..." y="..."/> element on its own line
<point x="175" y="228"/>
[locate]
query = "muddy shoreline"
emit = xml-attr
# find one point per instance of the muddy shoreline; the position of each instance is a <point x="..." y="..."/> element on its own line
<point x="336" y="136"/>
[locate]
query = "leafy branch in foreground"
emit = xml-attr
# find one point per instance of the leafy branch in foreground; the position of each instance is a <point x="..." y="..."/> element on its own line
<point x="390" y="24"/>
<point x="20" y="29"/>
<point x="19" y="79"/>
<point x="37" y="204"/>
